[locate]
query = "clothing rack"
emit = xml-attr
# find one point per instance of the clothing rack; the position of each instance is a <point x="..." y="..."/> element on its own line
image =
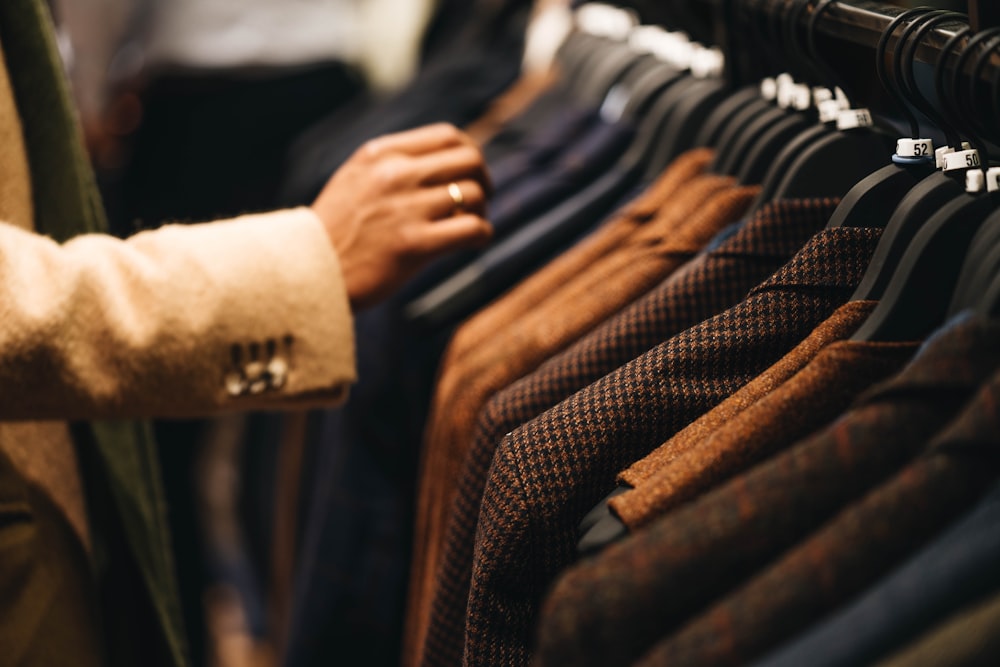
<point x="857" y="24"/>
<point x="847" y="33"/>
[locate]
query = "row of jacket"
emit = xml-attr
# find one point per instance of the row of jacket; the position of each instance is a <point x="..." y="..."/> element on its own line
<point x="668" y="423"/>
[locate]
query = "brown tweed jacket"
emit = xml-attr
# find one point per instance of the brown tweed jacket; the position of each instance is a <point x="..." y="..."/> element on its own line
<point x="648" y="254"/>
<point x="809" y="400"/>
<point x="612" y="608"/>
<point x="853" y="550"/>
<point x="439" y="459"/>
<point x="548" y="473"/>
<point x="969" y="639"/>
<point x="667" y="242"/>
<point x="838" y="326"/>
<point x="704" y="287"/>
<point x="531" y="291"/>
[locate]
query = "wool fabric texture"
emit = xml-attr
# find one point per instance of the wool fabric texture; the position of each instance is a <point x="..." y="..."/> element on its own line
<point x="667" y="242"/>
<point x="841" y="324"/>
<point x="704" y="287"/>
<point x="956" y="570"/>
<point x="531" y="291"/>
<point x="548" y="473"/>
<point x="849" y="553"/>
<point x="439" y="463"/>
<point x="809" y="400"/>
<point x="612" y="608"/>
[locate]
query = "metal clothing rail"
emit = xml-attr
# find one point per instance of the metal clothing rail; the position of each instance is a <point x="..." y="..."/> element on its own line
<point x="857" y="23"/>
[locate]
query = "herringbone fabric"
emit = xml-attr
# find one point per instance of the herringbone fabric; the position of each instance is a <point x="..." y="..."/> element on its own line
<point x="838" y="326"/>
<point x="455" y="405"/>
<point x="548" y="473"/>
<point x="666" y="243"/>
<point x="853" y="550"/>
<point x="704" y="287"/>
<point x="610" y="609"/>
<point x="809" y="400"/>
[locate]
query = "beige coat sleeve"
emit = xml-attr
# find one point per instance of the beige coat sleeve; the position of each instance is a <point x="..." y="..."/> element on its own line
<point x="183" y="321"/>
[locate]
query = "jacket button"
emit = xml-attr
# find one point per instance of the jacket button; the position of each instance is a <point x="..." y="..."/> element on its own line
<point x="256" y="379"/>
<point x="236" y="384"/>
<point x="277" y="370"/>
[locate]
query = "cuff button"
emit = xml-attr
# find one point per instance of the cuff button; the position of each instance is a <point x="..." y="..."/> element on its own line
<point x="236" y="384"/>
<point x="256" y="378"/>
<point x="277" y="370"/>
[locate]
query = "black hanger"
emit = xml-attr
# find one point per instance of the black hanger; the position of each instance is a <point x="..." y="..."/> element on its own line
<point x="989" y="130"/>
<point x="989" y="300"/>
<point x="919" y="204"/>
<point x="740" y="138"/>
<point x="752" y="166"/>
<point x="737" y="152"/>
<point x="643" y="90"/>
<point x="729" y="135"/>
<point x="575" y="54"/>
<point x="732" y="110"/>
<point x="824" y="163"/>
<point x="872" y="201"/>
<point x="923" y="285"/>
<point x="717" y="122"/>
<point x="920" y="291"/>
<point x="983" y="260"/>
<point x="615" y="63"/>
<point x="762" y="154"/>
<point x="980" y="268"/>
<point x="683" y="122"/>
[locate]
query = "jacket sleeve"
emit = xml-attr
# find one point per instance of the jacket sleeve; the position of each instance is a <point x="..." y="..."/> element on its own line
<point x="250" y="313"/>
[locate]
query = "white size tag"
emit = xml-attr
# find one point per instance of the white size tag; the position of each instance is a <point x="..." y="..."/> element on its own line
<point x="785" y="85"/>
<point x="975" y="181"/>
<point x="829" y="111"/>
<point x="644" y="38"/>
<point x="841" y="97"/>
<point x="769" y="89"/>
<point x="675" y="49"/>
<point x="706" y="63"/>
<point x="962" y="160"/>
<point x="850" y="119"/>
<point x="605" y="21"/>
<point x="993" y="179"/>
<point x="915" y="148"/>
<point x="821" y="95"/>
<point x="801" y="97"/>
<point x="940" y="153"/>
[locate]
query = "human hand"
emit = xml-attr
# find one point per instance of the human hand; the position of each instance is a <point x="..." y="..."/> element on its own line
<point x="391" y="208"/>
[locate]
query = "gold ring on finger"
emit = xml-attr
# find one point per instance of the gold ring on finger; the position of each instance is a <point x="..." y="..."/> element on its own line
<point x="456" y="196"/>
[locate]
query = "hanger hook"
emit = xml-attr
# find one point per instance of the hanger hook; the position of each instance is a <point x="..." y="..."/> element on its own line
<point x="772" y="24"/>
<point x="881" y="70"/>
<point x="794" y="19"/>
<point x="913" y="37"/>
<point x="973" y="116"/>
<point x="996" y="93"/>
<point x="940" y="72"/>
<point x="824" y="67"/>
